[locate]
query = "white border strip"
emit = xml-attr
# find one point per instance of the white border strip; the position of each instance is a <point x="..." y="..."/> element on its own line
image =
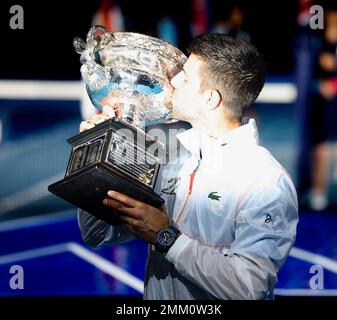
<point x="306" y="292"/>
<point x="73" y="90"/>
<point x="41" y="90"/>
<point x="135" y="283"/>
<point x="278" y="93"/>
<point x="28" y="195"/>
<point x="39" y="140"/>
<point x="82" y="253"/>
<point x="34" y="253"/>
<point x="40" y="220"/>
<point x="107" y="267"/>
<point x="326" y="263"/>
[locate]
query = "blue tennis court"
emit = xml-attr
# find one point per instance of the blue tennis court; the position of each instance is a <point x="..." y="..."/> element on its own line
<point x="56" y="262"/>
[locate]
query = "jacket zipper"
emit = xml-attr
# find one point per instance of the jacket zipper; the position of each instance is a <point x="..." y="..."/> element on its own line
<point x="192" y="175"/>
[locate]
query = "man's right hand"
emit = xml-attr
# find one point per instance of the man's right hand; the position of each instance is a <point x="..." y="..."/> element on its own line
<point x="109" y="112"/>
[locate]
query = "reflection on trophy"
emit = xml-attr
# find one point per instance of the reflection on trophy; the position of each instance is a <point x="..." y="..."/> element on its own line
<point x="130" y="72"/>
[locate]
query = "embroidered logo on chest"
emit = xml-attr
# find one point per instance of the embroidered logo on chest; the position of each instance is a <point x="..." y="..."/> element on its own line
<point x="214" y="196"/>
<point x="214" y="203"/>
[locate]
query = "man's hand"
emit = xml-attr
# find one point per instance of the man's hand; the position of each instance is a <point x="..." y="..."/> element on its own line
<point x="141" y="219"/>
<point x="109" y="112"/>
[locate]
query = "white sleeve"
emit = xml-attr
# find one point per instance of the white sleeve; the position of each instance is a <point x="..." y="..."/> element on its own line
<point x="96" y="232"/>
<point x="265" y="232"/>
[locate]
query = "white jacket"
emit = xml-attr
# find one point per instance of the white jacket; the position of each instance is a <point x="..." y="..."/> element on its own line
<point x="237" y="213"/>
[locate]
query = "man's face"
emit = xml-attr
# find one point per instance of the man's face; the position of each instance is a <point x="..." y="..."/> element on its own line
<point x="187" y="101"/>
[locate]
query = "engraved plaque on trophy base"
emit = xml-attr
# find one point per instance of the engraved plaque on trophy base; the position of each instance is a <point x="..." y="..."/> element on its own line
<point x="113" y="155"/>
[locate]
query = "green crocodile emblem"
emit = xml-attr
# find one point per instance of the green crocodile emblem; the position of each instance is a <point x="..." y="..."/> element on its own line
<point x="214" y="196"/>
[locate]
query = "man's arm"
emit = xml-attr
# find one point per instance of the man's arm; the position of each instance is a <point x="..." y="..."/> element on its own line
<point x="227" y="276"/>
<point x="265" y="232"/>
<point x="96" y="232"/>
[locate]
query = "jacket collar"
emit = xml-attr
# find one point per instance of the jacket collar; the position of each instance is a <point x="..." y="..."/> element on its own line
<point x="194" y="141"/>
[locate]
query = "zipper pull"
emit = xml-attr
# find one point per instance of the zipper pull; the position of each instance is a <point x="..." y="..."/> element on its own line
<point x="192" y="175"/>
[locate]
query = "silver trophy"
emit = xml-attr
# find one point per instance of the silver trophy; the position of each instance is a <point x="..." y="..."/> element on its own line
<point x="130" y="72"/>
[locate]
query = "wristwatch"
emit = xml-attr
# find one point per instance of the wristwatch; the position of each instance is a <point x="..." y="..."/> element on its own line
<point x="166" y="238"/>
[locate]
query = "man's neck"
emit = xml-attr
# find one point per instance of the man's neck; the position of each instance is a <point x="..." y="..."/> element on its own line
<point x="216" y="129"/>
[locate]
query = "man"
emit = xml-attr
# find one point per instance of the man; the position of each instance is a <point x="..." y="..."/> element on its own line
<point x="230" y="213"/>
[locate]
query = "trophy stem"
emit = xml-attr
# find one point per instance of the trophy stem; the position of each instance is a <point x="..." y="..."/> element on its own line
<point x="133" y="115"/>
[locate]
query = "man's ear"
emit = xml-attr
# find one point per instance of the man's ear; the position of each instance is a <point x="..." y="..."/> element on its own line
<point x="212" y="99"/>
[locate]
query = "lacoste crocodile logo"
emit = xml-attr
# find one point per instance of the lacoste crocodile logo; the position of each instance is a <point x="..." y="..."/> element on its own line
<point x="214" y="196"/>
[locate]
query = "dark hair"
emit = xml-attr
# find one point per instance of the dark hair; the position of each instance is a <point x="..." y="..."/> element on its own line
<point x="233" y="67"/>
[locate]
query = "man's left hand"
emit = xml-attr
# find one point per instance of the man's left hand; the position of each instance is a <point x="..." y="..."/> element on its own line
<point x="141" y="219"/>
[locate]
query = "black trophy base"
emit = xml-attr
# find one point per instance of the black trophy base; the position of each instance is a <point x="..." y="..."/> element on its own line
<point x="88" y="188"/>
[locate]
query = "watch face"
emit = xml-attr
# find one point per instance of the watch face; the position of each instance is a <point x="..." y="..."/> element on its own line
<point x="166" y="238"/>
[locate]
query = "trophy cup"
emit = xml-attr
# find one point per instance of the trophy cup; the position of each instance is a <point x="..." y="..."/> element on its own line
<point x="131" y="72"/>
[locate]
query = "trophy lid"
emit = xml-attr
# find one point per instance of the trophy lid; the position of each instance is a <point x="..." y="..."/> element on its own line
<point x="130" y="72"/>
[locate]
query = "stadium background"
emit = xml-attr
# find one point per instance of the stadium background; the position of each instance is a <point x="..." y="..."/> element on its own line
<point x="40" y="107"/>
